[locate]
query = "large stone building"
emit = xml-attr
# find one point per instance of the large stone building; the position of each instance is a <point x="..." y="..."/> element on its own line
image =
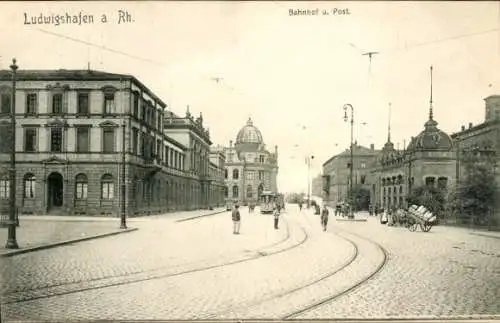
<point x="482" y="139"/>
<point x="336" y="173"/>
<point x="85" y="137"/>
<point x="250" y="167"/>
<point x="428" y="160"/>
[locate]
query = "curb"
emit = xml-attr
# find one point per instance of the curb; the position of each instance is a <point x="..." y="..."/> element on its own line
<point x="62" y="243"/>
<point x="200" y="216"/>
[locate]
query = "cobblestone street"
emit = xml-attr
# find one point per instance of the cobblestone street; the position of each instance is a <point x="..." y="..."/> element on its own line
<point x="198" y="269"/>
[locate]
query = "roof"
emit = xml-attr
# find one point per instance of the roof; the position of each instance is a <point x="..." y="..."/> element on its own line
<point x="475" y="128"/>
<point x="358" y="151"/>
<point x="73" y="75"/>
<point x="431" y="139"/>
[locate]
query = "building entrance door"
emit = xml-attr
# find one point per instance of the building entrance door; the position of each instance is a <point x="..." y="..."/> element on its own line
<point x="55" y="186"/>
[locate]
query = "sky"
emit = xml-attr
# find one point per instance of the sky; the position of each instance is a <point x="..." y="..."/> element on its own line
<point x="291" y="74"/>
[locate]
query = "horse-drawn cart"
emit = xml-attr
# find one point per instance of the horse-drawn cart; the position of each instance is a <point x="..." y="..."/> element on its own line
<point x="419" y="216"/>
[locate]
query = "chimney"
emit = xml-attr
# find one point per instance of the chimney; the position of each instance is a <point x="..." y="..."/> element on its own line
<point x="372" y="146"/>
<point x="492" y="107"/>
<point x="470" y="125"/>
<point x="463" y="128"/>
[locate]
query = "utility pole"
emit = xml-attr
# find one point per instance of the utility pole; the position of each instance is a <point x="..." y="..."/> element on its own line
<point x="11" y="239"/>
<point x="351" y="197"/>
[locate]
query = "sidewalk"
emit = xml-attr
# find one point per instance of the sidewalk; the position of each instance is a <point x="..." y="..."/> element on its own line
<point x="37" y="232"/>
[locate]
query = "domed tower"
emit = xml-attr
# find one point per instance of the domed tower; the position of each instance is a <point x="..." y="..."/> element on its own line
<point x="249" y="138"/>
<point x="431" y="155"/>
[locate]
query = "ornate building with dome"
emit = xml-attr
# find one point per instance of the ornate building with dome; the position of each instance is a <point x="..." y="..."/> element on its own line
<point x="429" y="159"/>
<point x="250" y="168"/>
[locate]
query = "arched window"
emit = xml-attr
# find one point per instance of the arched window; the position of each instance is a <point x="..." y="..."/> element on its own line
<point x="29" y="185"/>
<point x="236" y="174"/>
<point x="226" y="191"/>
<point x="107" y="187"/>
<point x="401" y="189"/>
<point x="81" y="186"/>
<point x="235" y="191"/>
<point x="249" y="191"/>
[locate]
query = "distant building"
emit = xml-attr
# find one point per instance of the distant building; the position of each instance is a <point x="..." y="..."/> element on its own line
<point x="73" y="129"/>
<point x="250" y="167"/>
<point x="217" y="169"/>
<point x="336" y="173"/>
<point x="317" y="186"/>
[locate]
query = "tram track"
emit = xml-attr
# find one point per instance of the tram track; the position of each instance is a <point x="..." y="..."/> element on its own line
<point x="331" y="298"/>
<point x="67" y="288"/>
<point x="273" y="299"/>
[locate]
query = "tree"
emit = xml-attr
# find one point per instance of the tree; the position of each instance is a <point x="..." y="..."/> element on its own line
<point x="429" y="196"/>
<point x="476" y="195"/>
<point x="361" y="198"/>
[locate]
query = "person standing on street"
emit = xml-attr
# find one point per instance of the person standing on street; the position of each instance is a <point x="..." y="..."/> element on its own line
<point x="277" y="211"/>
<point x="324" y="217"/>
<point x="236" y="219"/>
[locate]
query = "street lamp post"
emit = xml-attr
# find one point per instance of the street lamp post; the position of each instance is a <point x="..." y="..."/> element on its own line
<point x="351" y="198"/>
<point x="123" y="221"/>
<point x="11" y="238"/>
<point x="309" y="158"/>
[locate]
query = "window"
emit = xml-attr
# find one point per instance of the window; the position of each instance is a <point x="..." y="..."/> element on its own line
<point x="82" y="139"/>
<point x="261" y="158"/>
<point x="225" y="173"/>
<point x="83" y="103"/>
<point x="143" y="110"/>
<point x="29" y="140"/>
<point x="429" y="181"/>
<point x="31" y="103"/>
<point x="363" y="179"/>
<point x="136" y="104"/>
<point x="4" y="188"/>
<point x="107" y="187"/>
<point x="226" y="191"/>
<point x="5" y="101"/>
<point x="158" y="148"/>
<point x="442" y="183"/>
<point x="108" y="140"/>
<point x="235" y="191"/>
<point x="236" y="174"/>
<point x="56" y="140"/>
<point x="261" y="175"/>
<point x="5" y="134"/>
<point x="135" y="140"/>
<point x="400" y="189"/>
<point x="81" y="187"/>
<point x="57" y="103"/>
<point x="29" y="186"/>
<point x="109" y="103"/>
<point x="363" y="165"/>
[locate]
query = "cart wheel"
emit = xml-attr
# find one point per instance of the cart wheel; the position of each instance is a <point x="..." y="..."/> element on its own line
<point x="426" y="227"/>
<point x="413" y="227"/>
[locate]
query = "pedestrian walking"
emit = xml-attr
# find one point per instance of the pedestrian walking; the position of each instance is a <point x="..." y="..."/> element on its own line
<point x="324" y="217"/>
<point x="277" y="211"/>
<point x="300" y="206"/>
<point x="236" y="219"/>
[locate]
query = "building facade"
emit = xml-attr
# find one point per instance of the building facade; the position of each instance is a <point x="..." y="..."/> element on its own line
<point x="216" y="172"/>
<point x="336" y="173"/>
<point x="90" y="142"/>
<point x="250" y="168"/>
